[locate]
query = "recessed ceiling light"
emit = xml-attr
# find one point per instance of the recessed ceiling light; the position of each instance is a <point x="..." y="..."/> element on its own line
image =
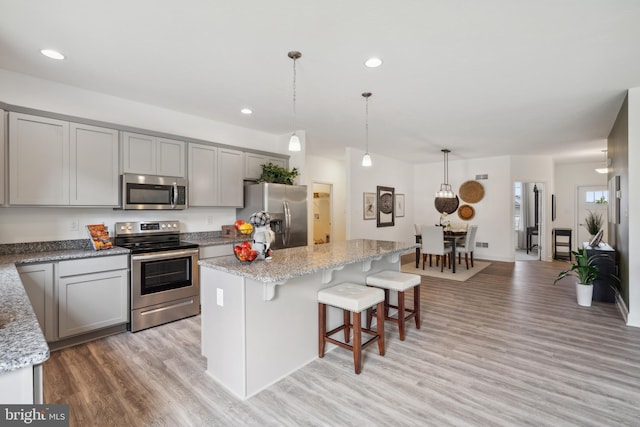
<point x="373" y="62"/>
<point x="246" y="111"/>
<point x="53" y="54"/>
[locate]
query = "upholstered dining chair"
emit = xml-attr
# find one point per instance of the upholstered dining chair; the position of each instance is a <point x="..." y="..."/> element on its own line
<point x="433" y="244"/>
<point x="466" y="246"/>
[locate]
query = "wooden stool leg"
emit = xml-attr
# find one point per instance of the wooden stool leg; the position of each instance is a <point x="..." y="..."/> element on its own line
<point x="386" y="302"/>
<point x="357" y="340"/>
<point x="322" y="317"/>
<point x="416" y="304"/>
<point x="369" y="317"/>
<point x="345" y="320"/>
<point x="466" y="259"/>
<point x="401" y="314"/>
<point x="380" y="331"/>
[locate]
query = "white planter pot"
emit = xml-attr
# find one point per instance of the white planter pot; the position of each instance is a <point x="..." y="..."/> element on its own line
<point x="584" y="294"/>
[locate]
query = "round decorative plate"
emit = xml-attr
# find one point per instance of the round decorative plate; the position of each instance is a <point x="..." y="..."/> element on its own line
<point x="386" y="203"/>
<point x="471" y="192"/>
<point x="466" y="212"/>
<point x="447" y="205"/>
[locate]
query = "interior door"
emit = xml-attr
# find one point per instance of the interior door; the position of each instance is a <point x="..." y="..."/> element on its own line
<point x="595" y="199"/>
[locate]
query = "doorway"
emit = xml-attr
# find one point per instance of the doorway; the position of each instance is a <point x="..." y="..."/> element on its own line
<point x="594" y="198"/>
<point x="322" y="213"/>
<point x="529" y="230"/>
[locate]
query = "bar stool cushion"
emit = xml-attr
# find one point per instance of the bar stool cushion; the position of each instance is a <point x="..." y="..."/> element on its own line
<point x="393" y="280"/>
<point x="351" y="296"/>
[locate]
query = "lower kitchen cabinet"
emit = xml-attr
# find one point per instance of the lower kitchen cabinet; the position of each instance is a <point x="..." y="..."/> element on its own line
<point x="93" y="294"/>
<point x="38" y="283"/>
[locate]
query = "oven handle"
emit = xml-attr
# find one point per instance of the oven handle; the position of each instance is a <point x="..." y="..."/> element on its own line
<point x="164" y="255"/>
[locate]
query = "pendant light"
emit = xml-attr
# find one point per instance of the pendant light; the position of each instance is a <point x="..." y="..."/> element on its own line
<point x="294" y="141"/>
<point x="605" y="168"/>
<point x="445" y="189"/>
<point x="366" y="159"/>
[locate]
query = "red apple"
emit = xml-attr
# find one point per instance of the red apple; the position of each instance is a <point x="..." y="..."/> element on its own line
<point x="238" y="223"/>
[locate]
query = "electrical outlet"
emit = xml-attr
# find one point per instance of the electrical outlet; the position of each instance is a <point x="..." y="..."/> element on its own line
<point x="74" y="225"/>
<point x="219" y="297"/>
<point x="210" y="220"/>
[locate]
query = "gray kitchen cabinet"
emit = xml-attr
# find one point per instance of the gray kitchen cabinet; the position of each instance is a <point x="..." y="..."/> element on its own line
<point x="150" y="155"/>
<point x="38" y="283"/>
<point x="215" y="176"/>
<point x="93" y="166"/>
<point x="3" y="142"/>
<point x="214" y="251"/>
<point x="253" y="164"/>
<point x="93" y="293"/>
<point x="38" y="160"/>
<point x="58" y="163"/>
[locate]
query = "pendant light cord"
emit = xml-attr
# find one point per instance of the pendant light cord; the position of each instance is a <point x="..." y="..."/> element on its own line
<point x="294" y="94"/>
<point x="366" y="126"/>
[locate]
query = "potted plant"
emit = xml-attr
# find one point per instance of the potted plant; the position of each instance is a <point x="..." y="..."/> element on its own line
<point x="584" y="269"/>
<point x="277" y="174"/>
<point x="593" y="223"/>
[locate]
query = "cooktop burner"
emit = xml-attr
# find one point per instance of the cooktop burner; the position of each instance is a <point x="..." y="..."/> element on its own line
<point x="150" y="236"/>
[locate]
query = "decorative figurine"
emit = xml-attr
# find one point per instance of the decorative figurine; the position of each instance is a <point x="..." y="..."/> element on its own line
<point x="262" y="234"/>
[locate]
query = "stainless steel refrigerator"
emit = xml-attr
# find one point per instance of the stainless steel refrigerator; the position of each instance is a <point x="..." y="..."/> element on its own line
<point x="287" y="206"/>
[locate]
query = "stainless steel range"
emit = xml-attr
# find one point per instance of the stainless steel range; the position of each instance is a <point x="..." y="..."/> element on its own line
<point x="165" y="285"/>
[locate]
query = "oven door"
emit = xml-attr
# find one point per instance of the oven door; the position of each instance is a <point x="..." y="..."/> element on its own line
<point x="160" y="277"/>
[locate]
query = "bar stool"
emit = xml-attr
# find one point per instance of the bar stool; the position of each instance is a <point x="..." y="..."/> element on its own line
<point x="400" y="282"/>
<point x="351" y="298"/>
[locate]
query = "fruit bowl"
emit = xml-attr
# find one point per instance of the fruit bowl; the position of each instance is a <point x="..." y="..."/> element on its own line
<point x="244" y="252"/>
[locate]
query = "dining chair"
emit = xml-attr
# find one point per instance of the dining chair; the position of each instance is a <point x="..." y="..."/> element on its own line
<point x="466" y="246"/>
<point x="433" y="244"/>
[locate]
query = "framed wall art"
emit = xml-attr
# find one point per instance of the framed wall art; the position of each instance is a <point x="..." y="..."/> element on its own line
<point x="369" y="206"/>
<point x="386" y="207"/>
<point x="399" y="205"/>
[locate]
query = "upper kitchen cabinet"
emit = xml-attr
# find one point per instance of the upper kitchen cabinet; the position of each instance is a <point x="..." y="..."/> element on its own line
<point x="94" y="166"/>
<point x="38" y="160"/>
<point x="215" y="176"/>
<point x="58" y="163"/>
<point x="3" y="142"/>
<point x="253" y="164"/>
<point x="150" y="155"/>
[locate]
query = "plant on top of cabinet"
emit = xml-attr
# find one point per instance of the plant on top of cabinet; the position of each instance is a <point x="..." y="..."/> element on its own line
<point x="277" y="174"/>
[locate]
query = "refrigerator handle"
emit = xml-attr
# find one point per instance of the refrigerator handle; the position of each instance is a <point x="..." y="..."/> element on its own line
<point x="287" y="224"/>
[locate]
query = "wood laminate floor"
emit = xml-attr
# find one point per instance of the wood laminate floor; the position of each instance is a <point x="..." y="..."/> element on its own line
<point x="506" y="348"/>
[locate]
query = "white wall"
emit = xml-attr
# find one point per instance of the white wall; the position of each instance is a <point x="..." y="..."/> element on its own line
<point x="384" y="172"/>
<point x="43" y="224"/>
<point x="634" y="208"/>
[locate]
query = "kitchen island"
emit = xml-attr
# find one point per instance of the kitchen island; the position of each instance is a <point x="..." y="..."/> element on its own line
<point x="260" y="319"/>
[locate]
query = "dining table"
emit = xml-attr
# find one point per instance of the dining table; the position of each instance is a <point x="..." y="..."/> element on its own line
<point x="449" y="236"/>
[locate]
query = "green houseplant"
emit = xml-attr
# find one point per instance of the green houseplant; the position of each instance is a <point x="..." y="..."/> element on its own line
<point x="593" y="222"/>
<point x="277" y="174"/>
<point x="586" y="271"/>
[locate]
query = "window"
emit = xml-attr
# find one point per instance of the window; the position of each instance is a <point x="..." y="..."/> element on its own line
<point x="597" y="197"/>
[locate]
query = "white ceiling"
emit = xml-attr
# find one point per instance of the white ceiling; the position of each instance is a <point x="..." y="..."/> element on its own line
<point x="482" y="78"/>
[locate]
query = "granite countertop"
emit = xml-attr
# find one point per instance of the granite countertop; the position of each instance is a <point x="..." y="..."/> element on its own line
<point x="304" y="260"/>
<point x="206" y="240"/>
<point x="22" y="343"/>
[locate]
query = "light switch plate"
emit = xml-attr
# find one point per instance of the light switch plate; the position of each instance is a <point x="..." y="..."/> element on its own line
<point x="219" y="297"/>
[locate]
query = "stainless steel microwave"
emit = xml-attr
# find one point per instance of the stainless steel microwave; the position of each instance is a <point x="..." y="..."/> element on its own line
<point x="153" y="192"/>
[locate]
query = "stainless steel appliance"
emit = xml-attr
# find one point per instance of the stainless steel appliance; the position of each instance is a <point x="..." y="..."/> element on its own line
<point x="153" y="192"/>
<point x="287" y="206"/>
<point x="165" y="283"/>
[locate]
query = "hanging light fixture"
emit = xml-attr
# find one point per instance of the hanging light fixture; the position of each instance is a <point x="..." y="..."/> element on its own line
<point x="294" y="141"/>
<point x="445" y="189"/>
<point x="605" y="168"/>
<point x="366" y="159"/>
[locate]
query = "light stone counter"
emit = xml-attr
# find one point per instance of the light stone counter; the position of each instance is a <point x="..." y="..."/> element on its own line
<point x="260" y="320"/>
<point x="21" y="341"/>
